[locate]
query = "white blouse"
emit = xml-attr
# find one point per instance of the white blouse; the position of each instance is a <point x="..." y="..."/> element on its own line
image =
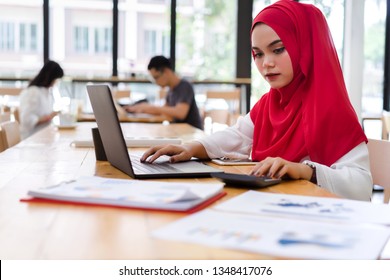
<point x="348" y="177"/>
<point x="35" y="102"/>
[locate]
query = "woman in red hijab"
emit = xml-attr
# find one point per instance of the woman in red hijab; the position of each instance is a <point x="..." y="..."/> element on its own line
<point x="305" y="127"/>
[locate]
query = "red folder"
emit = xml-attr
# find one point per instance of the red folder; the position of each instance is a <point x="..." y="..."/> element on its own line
<point x="194" y="209"/>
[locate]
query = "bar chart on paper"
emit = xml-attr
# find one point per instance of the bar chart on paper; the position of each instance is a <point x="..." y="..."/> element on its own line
<point x="225" y="235"/>
<point x="279" y="237"/>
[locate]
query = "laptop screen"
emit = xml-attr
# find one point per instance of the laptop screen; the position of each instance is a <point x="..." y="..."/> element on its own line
<point x="109" y="127"/>
<point x="116" y="150"/>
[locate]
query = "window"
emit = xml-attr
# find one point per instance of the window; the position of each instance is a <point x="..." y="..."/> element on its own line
<point x="144" y="31"/>
<point x="21" y="37"/>
<point x="7" y="36"/>
<point x="103" y="40"/>
<point x="150" y="42"/>
<point x="81" y="39"/>
<point x="28" y="37"/>
<point x="374" y="47"/>
<point x="156" y="42"/>
<point x="206" y="39"/>
<point x="81" y="36"/>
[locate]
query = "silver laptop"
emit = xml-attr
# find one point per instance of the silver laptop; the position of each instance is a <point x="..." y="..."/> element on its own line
<point x="116" y="150"/>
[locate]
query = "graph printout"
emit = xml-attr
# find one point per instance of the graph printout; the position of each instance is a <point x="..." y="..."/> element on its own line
<point x="279" y="237"/>
<point x="308" y="207"/>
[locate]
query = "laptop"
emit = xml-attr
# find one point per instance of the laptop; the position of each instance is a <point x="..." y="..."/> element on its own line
<point x="117" y="152"/>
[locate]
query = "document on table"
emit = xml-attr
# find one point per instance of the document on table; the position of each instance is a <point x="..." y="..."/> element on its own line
<point x="131" y="193"/>
<point x="290" y="226"/>
<point x="289" y="238"/>
<point x="308" y="207"/>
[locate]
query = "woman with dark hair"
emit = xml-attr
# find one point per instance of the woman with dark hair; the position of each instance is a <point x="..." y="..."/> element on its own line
<point x="305" y="127"/>
<point x="36" y="102"/>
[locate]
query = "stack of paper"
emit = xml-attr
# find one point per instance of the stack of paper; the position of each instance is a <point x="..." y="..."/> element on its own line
<point x="289" y="226"/>
<point x="133" y="193"/>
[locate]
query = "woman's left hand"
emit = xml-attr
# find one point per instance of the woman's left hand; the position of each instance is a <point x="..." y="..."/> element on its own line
<point x="277" y="167"/>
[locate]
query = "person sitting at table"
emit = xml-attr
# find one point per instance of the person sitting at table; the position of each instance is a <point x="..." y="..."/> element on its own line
<point x="36" y="101"/>
<point x="180" y="102"/>
<point x="305" y="126"/>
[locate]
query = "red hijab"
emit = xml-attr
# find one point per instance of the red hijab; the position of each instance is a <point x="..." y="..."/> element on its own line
<point x="312" y="116"/>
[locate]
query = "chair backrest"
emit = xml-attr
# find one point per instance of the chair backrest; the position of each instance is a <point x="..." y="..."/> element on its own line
<point x="6" y="116"/>
<point x="124" y="93"/>
<point x="11" y="113"/>
<point x="231" y="95"/>
<point x="9" y="134"/>
<point x="10" y="96"/>
<point x="379" y="152"/>
<point x="220" y="115"/>
<point x="385" y="125"/>
<point x="3" y="145"/>
<point x="16" y="114"/>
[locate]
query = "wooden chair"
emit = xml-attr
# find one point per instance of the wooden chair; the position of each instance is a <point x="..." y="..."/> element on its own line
<point x="220" y="115"/>
<point x="6" y="116"/>
<point x="9" y="134"/>
<point x="13" y="113"/>
<point x="16" y="114"/>
<point x="2" y="141"/>
<point x="385" y="125"/>
<point x="379" y="151"/>
<point x="13" y="94"/>
<point x="118" y="94"/>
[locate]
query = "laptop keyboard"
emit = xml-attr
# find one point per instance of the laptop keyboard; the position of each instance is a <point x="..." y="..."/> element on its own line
<point x="140" y="167"/>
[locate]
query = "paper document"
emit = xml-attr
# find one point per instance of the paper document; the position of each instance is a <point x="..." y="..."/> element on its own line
<point x="279" y="237"/>
<point x="131" y="193"/>
<point x="308" y="207"/>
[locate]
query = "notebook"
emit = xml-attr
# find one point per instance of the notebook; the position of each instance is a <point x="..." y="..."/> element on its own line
<point x="136" y="194"/>
<point x="116" y="150"/>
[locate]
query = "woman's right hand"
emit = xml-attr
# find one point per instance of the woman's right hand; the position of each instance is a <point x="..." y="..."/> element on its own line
<point x="47" y="118"/>
<point x="176" y="152"/>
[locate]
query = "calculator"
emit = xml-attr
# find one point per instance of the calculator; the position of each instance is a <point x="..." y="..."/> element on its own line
<point x="246" y="181"/>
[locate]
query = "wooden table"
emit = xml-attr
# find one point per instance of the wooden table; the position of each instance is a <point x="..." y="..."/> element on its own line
<point x="59" y="231"/>
<point x="84" y="117"/>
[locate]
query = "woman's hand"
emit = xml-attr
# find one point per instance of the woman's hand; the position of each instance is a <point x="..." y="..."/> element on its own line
<point x="278" y="167"/>
<point x="177" y="152"/>
<point x="47" y="118"/>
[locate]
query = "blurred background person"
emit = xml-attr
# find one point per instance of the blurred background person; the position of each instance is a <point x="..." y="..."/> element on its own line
<point x="180" y="102"/>
<point x="36" y="101"/>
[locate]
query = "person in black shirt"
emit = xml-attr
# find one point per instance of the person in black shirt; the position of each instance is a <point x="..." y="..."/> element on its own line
<point x="180" y="102"/>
